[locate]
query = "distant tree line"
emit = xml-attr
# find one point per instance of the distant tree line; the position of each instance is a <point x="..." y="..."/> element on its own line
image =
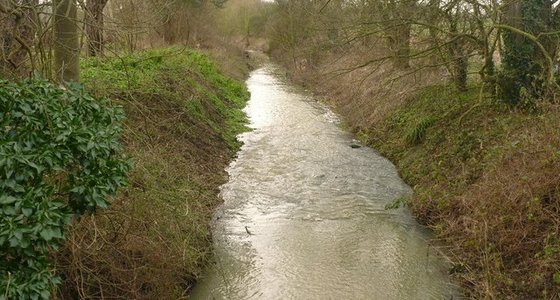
<point x="513" y="44"/>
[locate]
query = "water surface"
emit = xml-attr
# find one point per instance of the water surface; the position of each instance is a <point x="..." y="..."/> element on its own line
<point x="304" y="214"/>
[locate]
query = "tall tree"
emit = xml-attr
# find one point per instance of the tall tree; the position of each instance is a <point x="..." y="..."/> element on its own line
<point x="457" y="50"/>
<point x="397" y="16"/>
<point x="94" y="26"/>
<point x="66" y="44"/>
<point x="530" y="36"/>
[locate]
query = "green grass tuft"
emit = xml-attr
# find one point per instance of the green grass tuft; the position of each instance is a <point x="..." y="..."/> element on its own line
<point x="417" y="132"/>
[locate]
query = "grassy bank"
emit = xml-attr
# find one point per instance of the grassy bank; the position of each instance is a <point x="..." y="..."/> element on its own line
<point x="486" y="178"/>
<point x="182" y="118"/>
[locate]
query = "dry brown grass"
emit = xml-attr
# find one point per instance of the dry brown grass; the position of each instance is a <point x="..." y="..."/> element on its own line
<point x="364" y="93"/>
<point x="507" y="223"/>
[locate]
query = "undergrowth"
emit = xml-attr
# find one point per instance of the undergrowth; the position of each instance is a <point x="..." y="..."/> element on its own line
<point x="183" y="116"/>
<point x="486" y="180"/>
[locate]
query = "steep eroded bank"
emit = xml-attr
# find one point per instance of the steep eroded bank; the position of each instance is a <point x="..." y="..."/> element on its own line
<point x="183" y="116"/>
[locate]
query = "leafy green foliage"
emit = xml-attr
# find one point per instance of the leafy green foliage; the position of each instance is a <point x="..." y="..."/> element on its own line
<point x="59" y="158"/>
<point x="161" y="71"/>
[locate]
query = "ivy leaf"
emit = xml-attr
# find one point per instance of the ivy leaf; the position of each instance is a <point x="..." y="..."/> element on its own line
<point x="27" y="211"/>
<point x="50" y="233"/>
<point x="45" y="294"/>
<point x="5" y="199"/>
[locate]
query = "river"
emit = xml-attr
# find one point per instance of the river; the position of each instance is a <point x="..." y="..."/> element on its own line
<point x="304" y="212"/>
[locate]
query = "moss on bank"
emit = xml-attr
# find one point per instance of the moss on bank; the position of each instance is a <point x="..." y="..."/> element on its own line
<point x="183" y="116"/>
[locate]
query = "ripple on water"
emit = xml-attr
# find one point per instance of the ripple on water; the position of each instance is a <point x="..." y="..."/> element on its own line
<point x="304" y="213"/>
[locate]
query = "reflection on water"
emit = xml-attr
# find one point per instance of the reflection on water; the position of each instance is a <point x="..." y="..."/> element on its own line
<point x="304" y="213"/>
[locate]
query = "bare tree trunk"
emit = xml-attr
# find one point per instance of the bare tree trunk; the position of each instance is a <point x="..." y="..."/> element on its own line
<point x="66" y="43"/>
<point x="459" y="59"/>
<point x="169" y="31"/>
<point x="17" y="33"/>
<point x="94" y="26"/>
<point x="397" y="17"/>
<point x="487" y="74"/>
<point x="399" y="43"/>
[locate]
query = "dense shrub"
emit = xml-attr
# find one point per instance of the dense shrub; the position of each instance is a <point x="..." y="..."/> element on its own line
<point x="60" y="157"/>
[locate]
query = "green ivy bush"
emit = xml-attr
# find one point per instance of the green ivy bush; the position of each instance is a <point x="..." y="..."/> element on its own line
<point x="522" y="79"/>
<point x="60" y="157"/>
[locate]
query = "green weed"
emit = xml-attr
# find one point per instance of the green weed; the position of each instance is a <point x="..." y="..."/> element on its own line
<point x="417" y="132"/>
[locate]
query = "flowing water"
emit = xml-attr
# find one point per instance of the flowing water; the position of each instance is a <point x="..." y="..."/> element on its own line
<point x="304" y="214"/>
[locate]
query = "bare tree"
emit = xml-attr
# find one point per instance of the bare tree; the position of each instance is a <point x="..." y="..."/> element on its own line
<point x="94" y="24"/>
<point x="66" y="44"/>
<point x="396" y="16"/>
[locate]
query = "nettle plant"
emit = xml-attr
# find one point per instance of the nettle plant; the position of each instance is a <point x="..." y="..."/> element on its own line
<point x="60" y="157"/>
